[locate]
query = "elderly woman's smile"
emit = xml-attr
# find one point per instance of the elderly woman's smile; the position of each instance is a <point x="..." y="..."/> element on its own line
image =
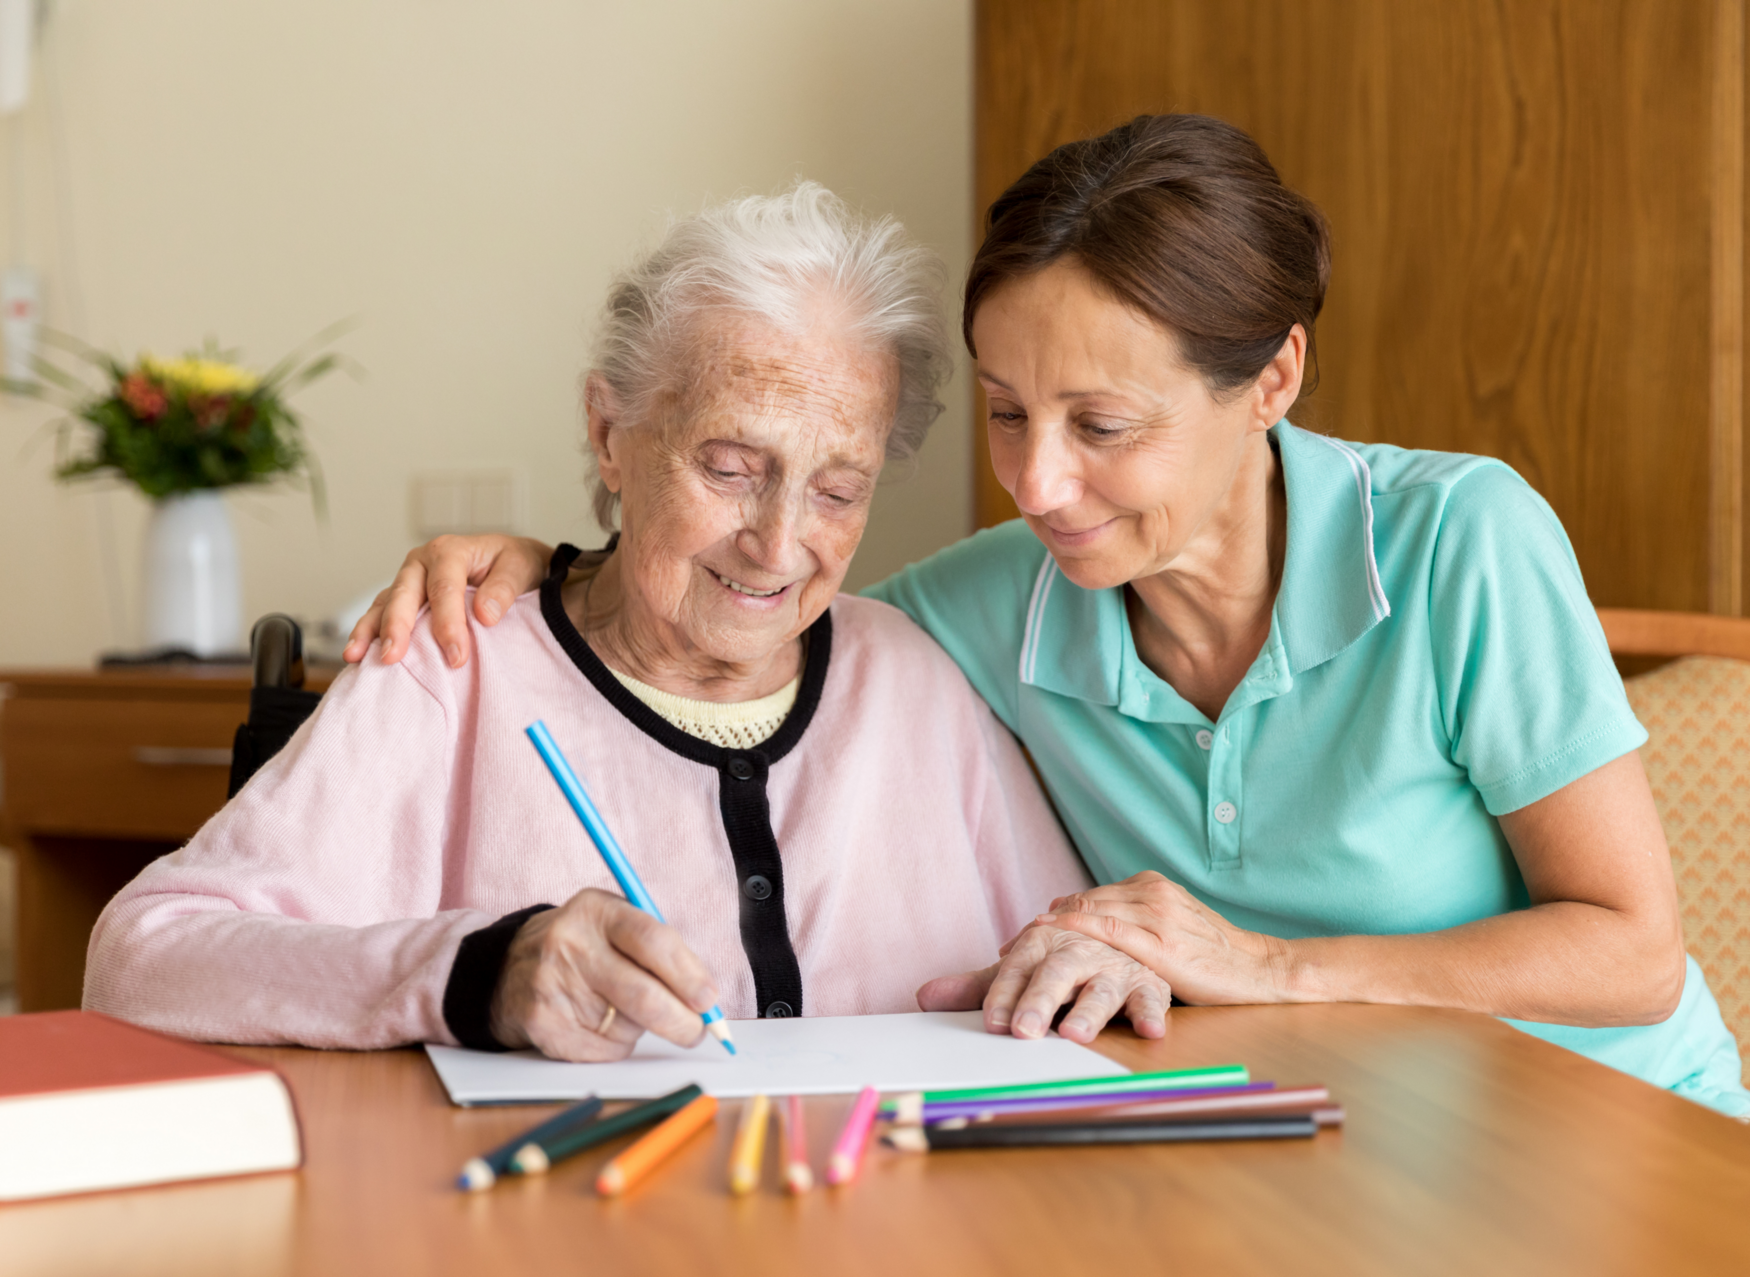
<point x="741" y="505"/>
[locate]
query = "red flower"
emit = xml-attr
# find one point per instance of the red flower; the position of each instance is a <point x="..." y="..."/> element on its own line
<point x="210" y="414"/>
<point x="139" y="393"/>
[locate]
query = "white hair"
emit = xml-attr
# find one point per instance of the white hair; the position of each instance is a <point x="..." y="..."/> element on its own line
<point x="772" y="259"/>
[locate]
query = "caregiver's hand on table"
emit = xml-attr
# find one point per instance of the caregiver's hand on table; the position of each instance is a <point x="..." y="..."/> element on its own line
<point x="1042" y="969"/>
<point x="1157" y="922"/>
<point x="569" y="967"/>
<point x="442" y="570"/>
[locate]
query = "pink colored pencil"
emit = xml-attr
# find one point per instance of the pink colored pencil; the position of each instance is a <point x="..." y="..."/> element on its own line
<point x="847" y="1154"/>
<point x="798" y="1178"/>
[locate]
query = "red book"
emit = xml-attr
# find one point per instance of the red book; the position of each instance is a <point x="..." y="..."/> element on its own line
<point x="88" y="1102"/>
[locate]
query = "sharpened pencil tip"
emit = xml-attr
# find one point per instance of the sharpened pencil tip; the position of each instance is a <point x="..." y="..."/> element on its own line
<point x="719" y="1029"/>
<point x="908" y="1139"/>
<point x="476" y="1176"/>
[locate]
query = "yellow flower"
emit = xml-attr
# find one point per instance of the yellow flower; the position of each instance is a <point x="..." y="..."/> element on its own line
<point x="200" y="377"/>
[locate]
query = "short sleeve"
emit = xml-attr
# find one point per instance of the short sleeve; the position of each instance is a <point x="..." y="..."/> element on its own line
<point x="972" y="599"/>
<point x="1529" y="695"/>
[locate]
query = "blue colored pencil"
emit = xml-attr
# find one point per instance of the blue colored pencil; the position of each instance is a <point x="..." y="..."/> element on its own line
<point x="609" y="846"/>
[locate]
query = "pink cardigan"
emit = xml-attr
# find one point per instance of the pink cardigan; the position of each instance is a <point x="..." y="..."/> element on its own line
<point x="325" y="904"/>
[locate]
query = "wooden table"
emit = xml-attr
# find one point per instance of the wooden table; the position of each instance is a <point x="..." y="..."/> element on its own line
<point x="104" y="771"/>
<point x="1470" y="1149"/>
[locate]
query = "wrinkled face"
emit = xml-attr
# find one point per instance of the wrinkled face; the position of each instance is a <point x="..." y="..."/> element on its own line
<point x="740" y="516"/>
<point x="1114" y="450"/>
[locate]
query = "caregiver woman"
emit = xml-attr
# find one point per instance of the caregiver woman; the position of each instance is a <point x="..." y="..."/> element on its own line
<point x="1330" y="721"/>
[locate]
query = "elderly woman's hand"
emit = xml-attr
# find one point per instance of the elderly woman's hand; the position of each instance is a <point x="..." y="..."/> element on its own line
<point x="1042" y="969"/>
<point x="1168" y="930"/>
<point x="568" y="967"/>
<point x="439" y="572"/>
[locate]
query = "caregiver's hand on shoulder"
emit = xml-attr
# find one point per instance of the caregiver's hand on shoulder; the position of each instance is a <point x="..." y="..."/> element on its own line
<point x="1042" y="969"/>
<point x="1157" y="922"/>
<point x="568" y="966"/>
<point x="439" y="572"/>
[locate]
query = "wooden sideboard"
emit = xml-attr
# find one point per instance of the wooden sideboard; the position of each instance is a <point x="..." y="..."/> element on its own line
<point x="102" y="772"/>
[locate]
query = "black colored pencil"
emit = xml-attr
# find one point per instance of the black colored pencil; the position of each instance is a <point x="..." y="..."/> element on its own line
<point x="935" y="1139"/>
<point x="482" y="1172"/>
<point x="537" y="1155"/>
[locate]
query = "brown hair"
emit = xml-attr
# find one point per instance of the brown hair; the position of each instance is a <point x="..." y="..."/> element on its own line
<point x="1182" y="217"/>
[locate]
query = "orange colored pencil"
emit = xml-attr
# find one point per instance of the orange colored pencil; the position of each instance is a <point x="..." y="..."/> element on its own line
<point x="641" y="1158"/>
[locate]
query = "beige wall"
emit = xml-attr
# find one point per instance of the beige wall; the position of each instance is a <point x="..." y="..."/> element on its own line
<point x="462" y="177"/>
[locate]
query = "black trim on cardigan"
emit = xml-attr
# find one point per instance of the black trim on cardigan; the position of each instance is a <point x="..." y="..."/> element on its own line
<point x="741" y="789"/>
<point x="474" y="979"/>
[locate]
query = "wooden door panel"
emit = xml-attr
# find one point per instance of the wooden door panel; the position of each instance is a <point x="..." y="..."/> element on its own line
<point x="1521" y="199"/>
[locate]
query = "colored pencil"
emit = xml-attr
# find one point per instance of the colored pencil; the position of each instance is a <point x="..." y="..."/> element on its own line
<point x="847" y="1153"/>
<point x="481" y="1173"/>
<point x="911" y="1115"/>
<point x="1171" y="1079"/>
<point x="611" y="851"/>
<point x="933" y="1139"/>
<point x="1298" y="1100"/>
<point x="641" y="1158"/>
<point x="749" y="1149"/>
<point x="535" y="1157"/>
<point x="798" y="1175"/>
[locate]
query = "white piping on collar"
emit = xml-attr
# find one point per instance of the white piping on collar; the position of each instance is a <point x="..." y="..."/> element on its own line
<point x="1364" y="490"/>
<point x="1036" y="618"/>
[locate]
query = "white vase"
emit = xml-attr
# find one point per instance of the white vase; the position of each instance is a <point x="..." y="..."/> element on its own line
<point x="194" y="581"/>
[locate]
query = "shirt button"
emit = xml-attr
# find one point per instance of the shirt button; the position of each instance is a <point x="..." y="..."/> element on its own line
<point x="779" y="1011"/>
<point x="1205" y="738"/>
<point x="741" y="769"/>
<point x="757" y="887"/>
<point x="1225" y="813"/>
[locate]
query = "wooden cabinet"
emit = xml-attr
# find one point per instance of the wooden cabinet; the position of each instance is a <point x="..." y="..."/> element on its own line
<point x="101" y="773"/>
<point x="1539" y="220"/>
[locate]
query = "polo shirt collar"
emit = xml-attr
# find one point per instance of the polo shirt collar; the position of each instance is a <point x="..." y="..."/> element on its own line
<point x="1078" y="643"/>
<point x="1331" y="593"/>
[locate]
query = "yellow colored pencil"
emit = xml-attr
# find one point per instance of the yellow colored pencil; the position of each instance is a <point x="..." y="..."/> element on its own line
<point x="637" y="1160"/>
<point x="750" y="1145"/>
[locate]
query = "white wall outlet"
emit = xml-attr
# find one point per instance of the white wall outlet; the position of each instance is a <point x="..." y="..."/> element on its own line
<point x="463" y="501"/>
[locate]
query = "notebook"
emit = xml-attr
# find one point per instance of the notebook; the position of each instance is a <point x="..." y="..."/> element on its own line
<point x="88" y="1102"/>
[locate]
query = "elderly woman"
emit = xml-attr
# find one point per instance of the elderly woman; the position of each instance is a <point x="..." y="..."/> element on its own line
<point x="1330" y="721"/>
<point x="826" y="812"/>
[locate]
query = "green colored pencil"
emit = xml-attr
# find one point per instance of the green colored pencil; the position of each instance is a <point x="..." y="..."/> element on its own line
<point x="535" y="1157"/>
<point x="1171" y="1079"/>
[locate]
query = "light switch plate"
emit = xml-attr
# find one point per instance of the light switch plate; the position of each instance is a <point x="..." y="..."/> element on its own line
<point x="488" y="499"/>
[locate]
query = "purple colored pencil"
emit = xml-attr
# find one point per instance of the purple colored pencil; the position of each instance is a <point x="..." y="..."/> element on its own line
<point x="974" y="1109"/>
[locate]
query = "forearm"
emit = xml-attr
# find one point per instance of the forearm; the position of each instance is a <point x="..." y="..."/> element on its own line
<point x="218" y="974"/>
<point x="1564" y="962"/>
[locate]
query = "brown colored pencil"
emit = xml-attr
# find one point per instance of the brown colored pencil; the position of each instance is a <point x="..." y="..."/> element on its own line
<point x="1297" y="1100"/>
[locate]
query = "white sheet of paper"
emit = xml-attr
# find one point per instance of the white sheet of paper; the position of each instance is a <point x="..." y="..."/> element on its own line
<point x="824" y="1055"/>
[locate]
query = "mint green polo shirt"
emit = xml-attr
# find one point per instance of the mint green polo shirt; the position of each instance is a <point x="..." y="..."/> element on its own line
<point x="1433" y="662"/>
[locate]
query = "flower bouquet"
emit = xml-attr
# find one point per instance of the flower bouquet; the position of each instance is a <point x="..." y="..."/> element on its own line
<point x="182" y="430"/>
<point x="172" y="426"/>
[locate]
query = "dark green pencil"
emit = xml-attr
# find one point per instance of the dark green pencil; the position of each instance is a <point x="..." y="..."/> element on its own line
<point x="536" y="1156"/>
<point x="482" y="1172"/>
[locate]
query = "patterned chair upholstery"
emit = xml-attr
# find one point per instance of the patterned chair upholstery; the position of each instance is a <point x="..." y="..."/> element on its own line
<point x="1697" y="712"/>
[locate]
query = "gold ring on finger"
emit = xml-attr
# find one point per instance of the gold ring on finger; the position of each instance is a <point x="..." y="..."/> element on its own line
<point x="601" y="1030"/>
